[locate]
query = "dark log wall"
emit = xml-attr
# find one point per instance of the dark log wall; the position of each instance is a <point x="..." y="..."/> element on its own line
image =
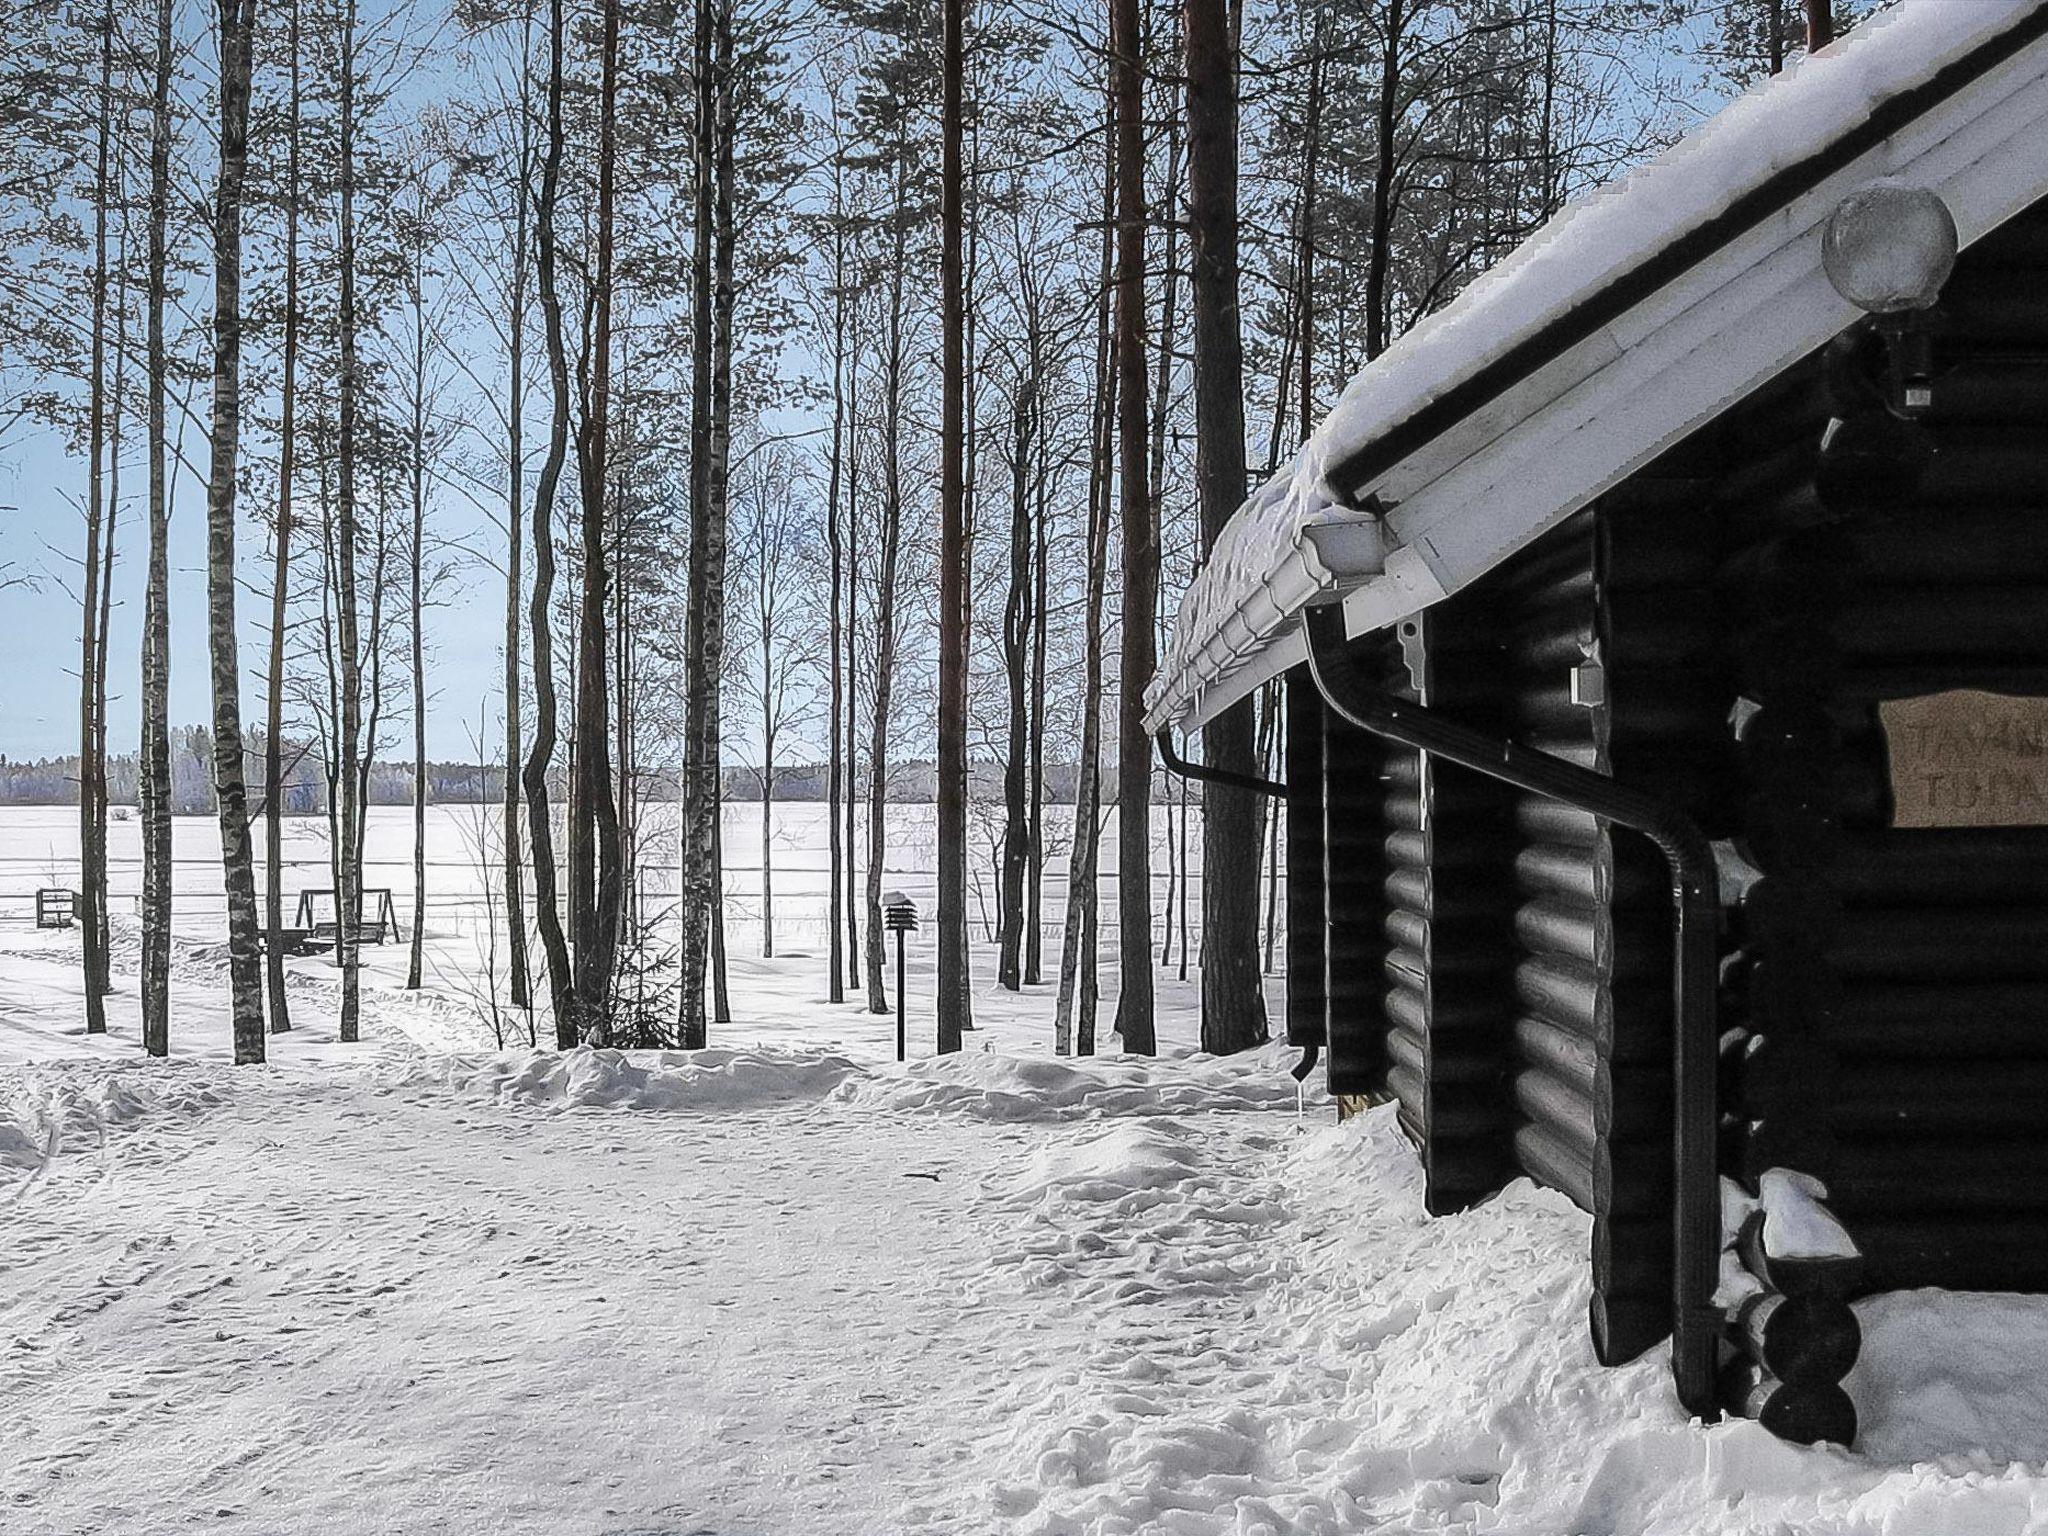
<point x="1501" y="965"/>
<point x="1663" y="726"/>
<point x="1896" y="980"/>
<point x="1354" y="868"/>
<point x="1449" y="907"/>
<point x="1404" y="915"/>
<point x="1592" y="1006"/>
<point x="1307" y="950"/>
<point x="1558" y="937"/>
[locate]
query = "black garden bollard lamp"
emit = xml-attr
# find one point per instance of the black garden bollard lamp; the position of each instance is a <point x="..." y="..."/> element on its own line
<point x="899" y="916"/>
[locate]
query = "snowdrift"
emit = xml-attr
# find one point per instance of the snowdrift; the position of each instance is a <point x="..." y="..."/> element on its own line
<point x="983" y="1085"/>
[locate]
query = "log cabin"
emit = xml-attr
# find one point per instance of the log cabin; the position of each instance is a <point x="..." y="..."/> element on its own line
<point x="1663" y="630"/>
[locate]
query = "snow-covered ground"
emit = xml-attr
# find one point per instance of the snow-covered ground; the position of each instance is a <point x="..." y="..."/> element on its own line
<point x="787" y="1286"/>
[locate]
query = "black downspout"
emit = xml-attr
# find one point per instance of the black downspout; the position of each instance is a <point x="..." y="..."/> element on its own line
<point x="1696" y="1322"/>
<point x="1206" y="775"/>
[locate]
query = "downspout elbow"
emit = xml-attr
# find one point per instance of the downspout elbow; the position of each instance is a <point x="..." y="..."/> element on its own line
<point x="1301" y="1069"/>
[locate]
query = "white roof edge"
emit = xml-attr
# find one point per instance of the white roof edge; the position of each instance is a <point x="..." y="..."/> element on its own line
<point x="1331" y="551"/>
<point x="1684" y="356"/>
<point x="1467" y="498"/>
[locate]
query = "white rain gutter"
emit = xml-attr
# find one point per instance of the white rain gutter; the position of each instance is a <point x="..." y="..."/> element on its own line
<point x="1332" y="552"/>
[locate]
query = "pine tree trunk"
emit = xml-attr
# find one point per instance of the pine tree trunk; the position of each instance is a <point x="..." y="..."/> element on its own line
<point x="952" y="722"/>
<point x="1074" y="1005"/>
<point x="280" y="576"/>
<point x="835" y="772"/>
<point x="1380" y="238"/>
<point x="853" y="906"/>
<point x="1305" y="260"/>
<point x="155" y="768"/>
<point x="1233" y="1003"/>
<point x="1140" y="549"/>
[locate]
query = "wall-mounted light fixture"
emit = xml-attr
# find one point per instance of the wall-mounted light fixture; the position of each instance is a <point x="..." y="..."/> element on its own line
<point x="1888" y="249"/>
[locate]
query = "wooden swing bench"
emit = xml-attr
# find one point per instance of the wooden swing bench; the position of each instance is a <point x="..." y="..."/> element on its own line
<point x="377" y="925"/>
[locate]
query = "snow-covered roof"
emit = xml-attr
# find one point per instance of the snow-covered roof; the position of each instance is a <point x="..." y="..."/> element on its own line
<point x="1640" y="312"/>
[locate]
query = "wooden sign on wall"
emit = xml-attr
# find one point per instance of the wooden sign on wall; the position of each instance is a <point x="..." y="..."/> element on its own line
<point x="1967" y="758"/>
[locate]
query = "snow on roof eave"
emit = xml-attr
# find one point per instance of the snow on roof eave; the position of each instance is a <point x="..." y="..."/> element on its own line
<point x="1472" y="479"/>
<point x="1328" y="553"/>
<point x="1679" y="359"/>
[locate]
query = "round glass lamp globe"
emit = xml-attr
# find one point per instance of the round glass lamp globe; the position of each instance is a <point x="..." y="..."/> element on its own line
<point x="1889" y="248"/>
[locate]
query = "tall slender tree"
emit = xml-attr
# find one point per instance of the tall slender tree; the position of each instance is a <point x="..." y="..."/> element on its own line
<point x="1140" y="545"/>
<point x="237" y="24"/>
<point x="1074" y="1004"/>
<point x="705" y="624"/>
<point x="547" y="908"/>
<point x="352" y="755"/>
<point x="953" y="619"/>
<point x="92" y="766"/>
<point x="515" y="496"/>
<point x="281" y="559"/>
<point x="1233" y="1004"/>
<point x="595" y="871"/>
<point x="155" y="769"/>
<point x="838" y="780"/>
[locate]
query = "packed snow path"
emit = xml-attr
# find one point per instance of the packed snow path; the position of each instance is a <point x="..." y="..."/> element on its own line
<point x="751" y="1292"/>
<point x="417" y="1313"/>
<point x="379" y="1299"/>
<point x="401" y="1286"/>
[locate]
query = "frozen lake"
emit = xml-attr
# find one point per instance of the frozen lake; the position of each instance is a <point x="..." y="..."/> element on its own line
<point x="774" y="1000"/>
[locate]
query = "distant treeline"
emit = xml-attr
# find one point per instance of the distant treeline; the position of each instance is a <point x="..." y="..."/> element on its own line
<point x="54" y="780"/>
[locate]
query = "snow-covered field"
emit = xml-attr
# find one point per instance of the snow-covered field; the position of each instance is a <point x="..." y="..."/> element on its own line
<point x="787" y="1286"/>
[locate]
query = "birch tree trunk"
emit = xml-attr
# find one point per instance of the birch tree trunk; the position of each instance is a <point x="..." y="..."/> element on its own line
<point x="885" y="591"/>
<point x="547" y="907"/>
<point x="280" y="575"/>
<point x="595" y="875"/>
<point x="92" y="766"/>
<point x="1017" y="622"/>
<point x="348" y="902"/>
<point x="515" y="496"/>
<point x="155" y="767"/>
<point x="117" y="413"/>
<point x="718" y="477"/>
<point x="231" y="790"/>
<point x="700" y="703"/>
<point x="415" y="597"/>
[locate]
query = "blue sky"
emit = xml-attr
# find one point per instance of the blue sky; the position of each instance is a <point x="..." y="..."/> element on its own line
<point x="43" y="531"/>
